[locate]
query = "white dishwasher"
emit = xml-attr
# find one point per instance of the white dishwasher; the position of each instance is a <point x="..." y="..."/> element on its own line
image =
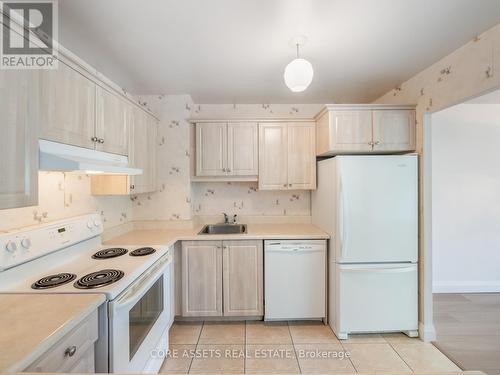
<point x="295" y="280"/>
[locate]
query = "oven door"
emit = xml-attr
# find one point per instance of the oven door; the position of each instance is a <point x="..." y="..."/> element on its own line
<point x="138" y="319"/>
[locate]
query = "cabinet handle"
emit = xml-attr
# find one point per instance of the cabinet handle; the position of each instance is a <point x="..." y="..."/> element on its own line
<point x="371" y="143"/>
<point x="132" y="187"/>
<point x="228" y="170"/>
<point x="377" y="143"/>
<point x="101" y="140"/>
<point x="284" y="185"/>
<point x="289" y="185"/>
<point x="223" y="169"/>
<point x="94" y="139"/>
<point x="70" y="352"/>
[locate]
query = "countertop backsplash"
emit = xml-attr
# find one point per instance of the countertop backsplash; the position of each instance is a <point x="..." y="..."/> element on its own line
<point x="63" y="195"/>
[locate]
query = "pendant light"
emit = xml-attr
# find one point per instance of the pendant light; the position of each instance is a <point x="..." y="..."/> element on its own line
<point x="299" y="72"/>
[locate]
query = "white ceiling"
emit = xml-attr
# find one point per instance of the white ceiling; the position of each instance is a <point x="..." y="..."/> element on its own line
<point x="234" y="51"/>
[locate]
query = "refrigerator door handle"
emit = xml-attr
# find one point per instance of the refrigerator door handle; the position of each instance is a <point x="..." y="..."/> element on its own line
<point x="380" y="270"/>
<point x="342" y="223"/>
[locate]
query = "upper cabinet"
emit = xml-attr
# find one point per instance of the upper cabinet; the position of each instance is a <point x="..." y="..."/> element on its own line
<point x="301" y="156"/>
<point x="226" y="149"/>
<point x="75" y="110"/>
<point x="67" y="107"/>
<point x="211" y="146"/>
<point x="394" y="130"/>
<point x="286" y="156"/>
<point x="142" y="154"/>
<point x="273" y="156"/>
<point x="242" y="149"/>
<point x="113" y="118"/>
<point x="343" y="129"/>
<point x="19" y="141"/>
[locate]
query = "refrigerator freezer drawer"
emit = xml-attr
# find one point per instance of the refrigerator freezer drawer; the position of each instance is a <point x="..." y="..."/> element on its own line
<point x="376" y="298"/>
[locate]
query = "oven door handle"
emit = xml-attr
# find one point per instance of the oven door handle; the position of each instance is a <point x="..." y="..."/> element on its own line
<point x="141" y="286"/>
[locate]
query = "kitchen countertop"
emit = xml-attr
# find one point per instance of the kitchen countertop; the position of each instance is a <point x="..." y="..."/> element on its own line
<point x="32" y="323"/>
<point x="167" y="237"/>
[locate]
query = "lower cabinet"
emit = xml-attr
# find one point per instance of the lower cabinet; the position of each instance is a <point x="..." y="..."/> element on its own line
<point x="242" y="278"/>
<point x="222" y="278"/>
<point x="74" y="353"/>
<point x="202" y="278"/>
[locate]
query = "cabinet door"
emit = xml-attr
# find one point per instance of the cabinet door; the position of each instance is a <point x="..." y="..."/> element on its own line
<point x="242" y="149"/>
<point x="112" y="122"/>
<point x="211" y="149"/>
<point x="19" y="139"/>
<point x="351" y="131"/>
<point x="138" y="157"/>
<point x="301" y="156"/>
<point x="67" y="107"/>
<point x="394" y="130"/>
<point x="273" y="147"/>
<point x="243" y="278"/>
<point x="151" y="152"/>
<point x="202" y="278"/>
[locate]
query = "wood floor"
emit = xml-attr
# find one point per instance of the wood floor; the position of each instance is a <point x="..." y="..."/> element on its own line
<point x="468" y="330"/>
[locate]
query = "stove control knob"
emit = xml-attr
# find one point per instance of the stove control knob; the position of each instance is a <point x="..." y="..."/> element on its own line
<point x="97" y="223"/>
<point x="26" y="243"/>
<point x="11" y="246"/>
<point x="89" y="224"/>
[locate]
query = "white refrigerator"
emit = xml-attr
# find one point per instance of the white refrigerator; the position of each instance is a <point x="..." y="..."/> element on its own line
<point x="369" y="206"/>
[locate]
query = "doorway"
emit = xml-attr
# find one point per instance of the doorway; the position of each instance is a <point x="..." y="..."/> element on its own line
<point x="465" y="186"/>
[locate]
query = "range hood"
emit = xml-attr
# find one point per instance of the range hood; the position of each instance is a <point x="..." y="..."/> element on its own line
<point x="56" y="156"/>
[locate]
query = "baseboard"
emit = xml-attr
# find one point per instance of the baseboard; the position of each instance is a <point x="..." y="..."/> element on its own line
<point x="467" y="287"/>
<point x="426" y="332"/>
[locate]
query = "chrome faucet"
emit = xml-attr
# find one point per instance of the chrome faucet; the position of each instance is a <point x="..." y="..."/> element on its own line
<point x="226" y="218"/>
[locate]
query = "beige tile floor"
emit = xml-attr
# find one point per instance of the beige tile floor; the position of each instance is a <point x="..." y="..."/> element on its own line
<point x="468" y="329"/>
<point x="294" y="347"/>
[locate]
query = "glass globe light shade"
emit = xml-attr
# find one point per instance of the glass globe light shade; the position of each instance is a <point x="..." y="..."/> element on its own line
<point x="298" y="75"/>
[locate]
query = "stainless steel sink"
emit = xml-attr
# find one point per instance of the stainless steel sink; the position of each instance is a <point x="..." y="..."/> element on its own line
<point x="224" y="229"/>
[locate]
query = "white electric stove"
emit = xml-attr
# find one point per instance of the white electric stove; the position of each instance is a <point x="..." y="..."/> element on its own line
<point x="68" y="257"/>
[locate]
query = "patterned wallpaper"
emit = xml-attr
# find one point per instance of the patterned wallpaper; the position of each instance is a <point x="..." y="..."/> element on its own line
<point x="469" y="71"/>
<point x="178" y="198"/>
<point x="63" y="195"/>
<point x="172" y="201"/>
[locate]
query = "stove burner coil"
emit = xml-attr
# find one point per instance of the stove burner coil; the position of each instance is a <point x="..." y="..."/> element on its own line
<point x="98" y="279"/>
<point x="109" y="253"/>
<point x="142" y="251"/>
<point x="52" y="281"/>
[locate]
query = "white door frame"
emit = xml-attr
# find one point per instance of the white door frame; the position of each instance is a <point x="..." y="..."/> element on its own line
<point x="426" y="324"/>
<point x="427" y="330"/>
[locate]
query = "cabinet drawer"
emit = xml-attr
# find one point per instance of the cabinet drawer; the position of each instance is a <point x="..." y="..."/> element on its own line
<point x="85" y="363"/>
<point x="79" y="340"/>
